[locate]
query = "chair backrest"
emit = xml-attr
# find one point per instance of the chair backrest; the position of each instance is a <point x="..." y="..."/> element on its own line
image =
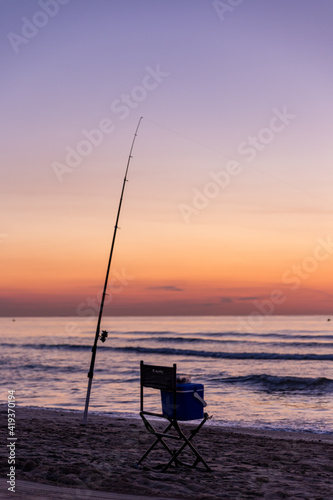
<point x="158" y="377"/>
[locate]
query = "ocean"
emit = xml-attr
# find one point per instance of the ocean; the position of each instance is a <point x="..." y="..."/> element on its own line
<point x="275" y="375"/>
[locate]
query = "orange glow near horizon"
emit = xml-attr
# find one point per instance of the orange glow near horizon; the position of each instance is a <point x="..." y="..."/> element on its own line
<point x="186" y="270"/>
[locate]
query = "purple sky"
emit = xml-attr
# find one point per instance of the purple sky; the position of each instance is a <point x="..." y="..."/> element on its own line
<point x="204" y="83"/>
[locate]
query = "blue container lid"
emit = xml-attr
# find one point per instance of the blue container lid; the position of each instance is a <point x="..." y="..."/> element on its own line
<point x="189" y="387"/>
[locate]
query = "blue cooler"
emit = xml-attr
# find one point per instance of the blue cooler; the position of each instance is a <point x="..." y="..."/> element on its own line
<point x="188" y="406"/>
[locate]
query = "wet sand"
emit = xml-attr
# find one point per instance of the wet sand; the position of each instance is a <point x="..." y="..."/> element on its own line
<point x="54" y="448"/>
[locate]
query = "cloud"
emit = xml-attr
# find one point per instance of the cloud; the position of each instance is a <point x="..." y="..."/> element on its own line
<point x="250" y="298"/>
<point x="226" y="300"/>
<point x="229" y="300"/>
<point x="166" y="288"/>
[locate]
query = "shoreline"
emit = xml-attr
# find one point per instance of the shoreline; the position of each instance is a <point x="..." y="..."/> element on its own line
<point x="306" y="435"/>
<point x="54" y="448"/>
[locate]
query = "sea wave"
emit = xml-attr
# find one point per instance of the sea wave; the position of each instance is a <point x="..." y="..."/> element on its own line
<point x="198" y="340"/>
<point x="169" y="351"/>
<point x="282" y="334"/>
<point x="225" y="355"/>
<point x="278" y="383"/>
<point x="288" y="336"/>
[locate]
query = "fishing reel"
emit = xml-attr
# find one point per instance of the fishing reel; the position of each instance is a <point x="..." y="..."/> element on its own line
<point x="103" y="335"/>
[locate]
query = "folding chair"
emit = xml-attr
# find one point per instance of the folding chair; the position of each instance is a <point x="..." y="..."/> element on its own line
<point x="164" y="379"/>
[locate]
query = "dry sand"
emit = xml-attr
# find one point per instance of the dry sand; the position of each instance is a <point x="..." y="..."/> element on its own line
<point x="54" y="448"/>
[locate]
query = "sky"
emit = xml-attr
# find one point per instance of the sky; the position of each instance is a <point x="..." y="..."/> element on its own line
<point x="228" y="207"/>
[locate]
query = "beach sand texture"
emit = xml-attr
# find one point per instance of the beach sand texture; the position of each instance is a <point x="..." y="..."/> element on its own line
<point x="54" y="448"/>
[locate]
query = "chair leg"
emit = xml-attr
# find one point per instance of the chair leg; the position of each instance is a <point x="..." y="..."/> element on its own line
<point x="196" y="453"/>
<point x="158" y="439"/>
<point x="175" y="454"/>
<point x="187" y="443"/>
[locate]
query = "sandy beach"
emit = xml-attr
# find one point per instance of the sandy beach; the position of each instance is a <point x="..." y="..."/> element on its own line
<point x="54" y="448"/>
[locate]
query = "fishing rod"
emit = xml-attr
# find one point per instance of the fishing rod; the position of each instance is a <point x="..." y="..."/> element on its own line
<point x="104" y="333"/>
